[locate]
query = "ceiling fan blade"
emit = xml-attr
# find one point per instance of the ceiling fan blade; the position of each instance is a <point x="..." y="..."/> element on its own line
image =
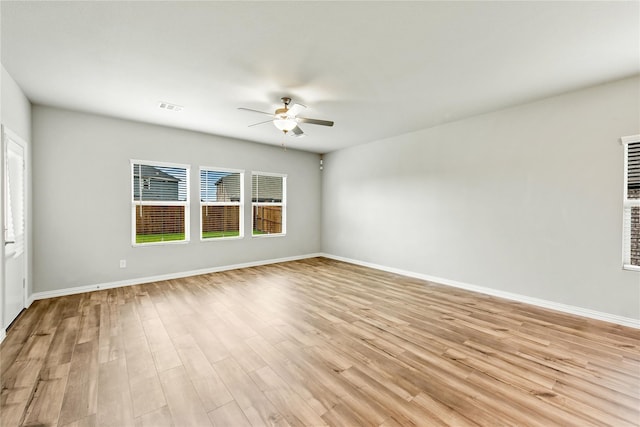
<point x="260" y="123"/>
<point x="254" y="111"/>
<point x="315" y="121"/>
<point x="295" y="109"/>
<point x="296" y="131"/>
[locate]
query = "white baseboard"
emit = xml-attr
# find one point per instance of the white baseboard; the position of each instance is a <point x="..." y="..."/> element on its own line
<point x="149" y="279"/>
<point x="569" y="309"/>
<point x="3" y="334"/>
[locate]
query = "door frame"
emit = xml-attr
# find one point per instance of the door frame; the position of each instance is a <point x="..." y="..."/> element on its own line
<point x="6" y="135"/>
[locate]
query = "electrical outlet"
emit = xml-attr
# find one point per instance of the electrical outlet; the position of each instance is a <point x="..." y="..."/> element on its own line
<point x="123" y="263"/>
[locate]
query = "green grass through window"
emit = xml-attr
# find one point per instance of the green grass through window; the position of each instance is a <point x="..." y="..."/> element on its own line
<point x="162" y="237"/>
<point x="218" y="234"/>
<point x="172" y="237"/>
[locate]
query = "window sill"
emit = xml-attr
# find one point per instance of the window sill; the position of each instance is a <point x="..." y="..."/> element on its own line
<point x="630" y="267"/>
<point x="219" y="239"/>
<point x="261" y="236"/>
<point x="170" y="242"/>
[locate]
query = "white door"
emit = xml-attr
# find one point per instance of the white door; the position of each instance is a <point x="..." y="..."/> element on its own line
<point x="14" y="227"/>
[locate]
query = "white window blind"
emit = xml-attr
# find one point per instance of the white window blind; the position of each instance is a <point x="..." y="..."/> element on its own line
<point x="221" y="201"/>
<point x="14" y="198"/>
<point x="160" y="202"/>
<point x="268" y="201"/>
<point x="631" y="204"/>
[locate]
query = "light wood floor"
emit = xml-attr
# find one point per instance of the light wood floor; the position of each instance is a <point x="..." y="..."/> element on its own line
<point x="314" y="342"/>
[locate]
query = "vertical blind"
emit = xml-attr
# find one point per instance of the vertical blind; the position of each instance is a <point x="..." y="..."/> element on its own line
<point x="268" y="193"/>
<point x="160" y="202"/>
<point x="633" y="170"/>
<point x="14" y="199"/>
<point x="220" y="203"/>
<point x="631" y="208"/>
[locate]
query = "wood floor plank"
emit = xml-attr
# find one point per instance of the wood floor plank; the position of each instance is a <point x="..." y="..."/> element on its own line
<point x="18" y="334"/>
<point x="208" y="385"/>
<point x="342" y="415"/>
<point x="248" y="359"/>
<point x="287" y="401"/>
<point x="291" y="374"/>
<point x="208" y="342"/>
<point x="44" y="409"/>
<point x="448" y="415"/>
<point x="146" y="391"/>
<point x="156" y="334"/>
<point x="115" y="406"/>
<point x="80" y="396"/>
<point x="212" y="392"/>
<point x="89" y="323"/>
<point x="310" y="343"/>
<point x="229" y="415"/>
<point x="159" y="418"/>
<point x="166" y="358"/>
<point x="396" y="407"/>
<point x="182" y="399"/>
<point x="88" y="421"/>
<point x="256" y="407"/>
<point x="144" y="383"/>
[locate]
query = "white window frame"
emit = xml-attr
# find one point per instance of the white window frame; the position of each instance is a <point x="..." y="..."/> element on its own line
<point x="627" y="203"/>
<point x="186" y="203"/>
<point x="239" y="204"/>
<point x="283" y="204"/>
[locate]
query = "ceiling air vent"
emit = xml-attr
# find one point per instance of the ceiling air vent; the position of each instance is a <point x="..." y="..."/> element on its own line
<point x="170" y="107"/>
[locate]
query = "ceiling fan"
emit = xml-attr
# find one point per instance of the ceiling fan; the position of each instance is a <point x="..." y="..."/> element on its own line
<point x="286" y="119"/>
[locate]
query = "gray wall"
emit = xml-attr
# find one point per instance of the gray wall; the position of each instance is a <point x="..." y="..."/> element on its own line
<point x="526" y="200"/>
<point x="16" y="109"/>
<point x="82" y="218"/>
<point x="15" y="114"/>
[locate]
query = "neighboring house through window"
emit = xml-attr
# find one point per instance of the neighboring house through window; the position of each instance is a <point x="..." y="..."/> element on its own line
<point x="221" y="203"/>
<point x="160" y="202"/>
<point x="268" y="202"/>
<point x="631" y="204"/>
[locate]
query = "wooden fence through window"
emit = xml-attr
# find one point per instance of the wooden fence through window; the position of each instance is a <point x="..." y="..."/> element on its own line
<point x="170" y="219"/>
<point x="267" y="219"/>
<point x="220" y="218"/>
<point x="159" y="219"/>
<point x="635" y="228"/>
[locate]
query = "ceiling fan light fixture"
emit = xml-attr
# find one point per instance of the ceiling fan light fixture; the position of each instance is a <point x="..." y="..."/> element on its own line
<point x="286" y="119"/>
<point x="285" y="124"/>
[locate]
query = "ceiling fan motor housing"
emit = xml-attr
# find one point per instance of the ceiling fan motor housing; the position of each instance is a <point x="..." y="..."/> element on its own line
<point x="285" y="118"/>
<point x="282" y="111"/>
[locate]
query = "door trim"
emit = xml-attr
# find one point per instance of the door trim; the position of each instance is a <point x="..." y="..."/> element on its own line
<point x="6" y="135"/>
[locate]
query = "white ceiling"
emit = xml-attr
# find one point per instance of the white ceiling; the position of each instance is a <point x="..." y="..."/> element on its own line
<point x="377" y="69"/>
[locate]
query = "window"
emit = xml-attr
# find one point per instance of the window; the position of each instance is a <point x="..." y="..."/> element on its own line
<point x="160" y="202"/>
<point x="268" y="202"/>
<point x="221" y="199"/>
<point x="631" y="204"/>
